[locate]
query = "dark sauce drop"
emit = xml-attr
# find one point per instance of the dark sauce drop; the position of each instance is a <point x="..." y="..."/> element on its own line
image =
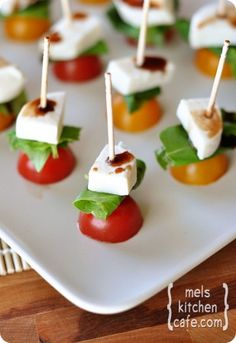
<point x="55" y="37"/>
<point x="138" y="3"/>
<point x="119" y="170"/>
<point x="79" y="15"/>
<point x="154" y="63"/>
<point x="124" y="157"/>
<point x="39" y="111"/>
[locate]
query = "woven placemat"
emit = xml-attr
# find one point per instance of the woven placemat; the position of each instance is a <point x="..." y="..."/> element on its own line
<point x="10" y="262"/>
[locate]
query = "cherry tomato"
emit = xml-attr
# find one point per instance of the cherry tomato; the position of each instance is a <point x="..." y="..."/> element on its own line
<point x="24" y="28"/>
<point x="80" y="69"/>
<point x="207" y="62"/>
<point x="120" y="226"/>
<point x="145" y="117"/>
<point x="6" y="121"/>
<point x="53" y="171"/>
<point x="202" y="173"/>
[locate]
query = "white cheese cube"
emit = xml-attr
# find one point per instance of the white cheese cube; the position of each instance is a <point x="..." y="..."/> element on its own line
<point x="207" y="29"/>
<point x="7" y="7"/>
<point x="42" y="127"/>
<point x="115" y="179"/>
<point x="204" y="133"/>
<point x="74" y="38"/>
<point x="159" y="13"/>
<point x="12" y="82"/>
<point x="127" y="78"/>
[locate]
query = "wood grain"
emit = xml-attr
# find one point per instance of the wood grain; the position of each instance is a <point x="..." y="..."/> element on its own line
<point x="32" y="311"/>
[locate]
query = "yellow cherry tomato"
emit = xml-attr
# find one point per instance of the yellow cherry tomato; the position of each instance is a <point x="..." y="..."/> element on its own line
<point x="203" y="172"/>
<point x="207" y="62"/>
<point x="6" y="121"/>
<point x="145" y="117"/>
<point x="24" y="28"/>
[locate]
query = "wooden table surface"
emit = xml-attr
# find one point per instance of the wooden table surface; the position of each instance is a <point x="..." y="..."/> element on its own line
<point x="32" y="311"/>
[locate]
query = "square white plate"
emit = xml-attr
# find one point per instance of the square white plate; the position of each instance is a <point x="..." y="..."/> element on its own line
<point x="183" y="225"/>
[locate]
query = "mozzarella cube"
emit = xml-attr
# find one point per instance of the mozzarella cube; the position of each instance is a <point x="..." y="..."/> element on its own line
<point x="127" y="78"/>
<point x="205" y="133"/>
<point x="74" y="38"/>
<point x="115" y="179"/>
<point x="159" y="13"/>
<point x="42" y="127"/>
<point x="12" y="82"/>
<point x="207" y="29"/>
<point x="7" y="7"/>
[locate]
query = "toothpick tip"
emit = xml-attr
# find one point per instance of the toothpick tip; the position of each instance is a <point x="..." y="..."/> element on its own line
<point x="227" y="42"/>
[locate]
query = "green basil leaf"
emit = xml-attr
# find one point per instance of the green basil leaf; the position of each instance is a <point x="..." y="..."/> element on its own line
<point x="155" y="34"/>
<point x="40" y="9"/>
<point x="98" y="49"/>
<point x="134" y="101"/>
<point x="14" y="106"/>
<point x="177" y="148"/>
<point x="102" y="205"/>
<point x="183" y="26"/>
<point x="39" y="152"/>
<point x="141" y="169"/>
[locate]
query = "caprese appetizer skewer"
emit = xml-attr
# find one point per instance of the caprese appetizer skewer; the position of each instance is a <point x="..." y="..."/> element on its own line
<point x="194" y="151"/>
<point x="41" y="137"/>
<point x="206" y="31"/>
<point x="107" y="212"/>
<point x="12" y="93"/>
<point x="25" y="20"/>
<point x="126" y="17"/>
<point x="77" y="45"/>
<point x="137" y="82"/>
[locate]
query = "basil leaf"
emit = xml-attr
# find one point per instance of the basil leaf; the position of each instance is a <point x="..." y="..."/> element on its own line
<point x="177" y="149"/>
<point x="155" y="34"/>
<point x="39" y="152"/>
<point x="102" y="205"/>
<point x="183" y="26"/>
<point x="14" y="106"/>
<point x="231" y="56"/>
<point x="229" y="133"/>
<point x="98" y="49"/>
<point x="134" y="101"/>
<point x="141" y="169"/>
<point x="40" y="9"/>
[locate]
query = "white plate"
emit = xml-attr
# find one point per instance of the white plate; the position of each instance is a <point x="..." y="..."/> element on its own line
<point x="183" y="225"/>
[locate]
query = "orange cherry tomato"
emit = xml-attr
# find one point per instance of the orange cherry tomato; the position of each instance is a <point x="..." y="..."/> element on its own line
<point x="54" y="170"/>
<point x="24" y="28"/>
<point x="203" y="172"/>
<point x="145" y="117"/>
<point x="81" y="69"/>
<point x="6" y="121"/>
<point x="207" y="62"/>
<point x="120" y="226"/>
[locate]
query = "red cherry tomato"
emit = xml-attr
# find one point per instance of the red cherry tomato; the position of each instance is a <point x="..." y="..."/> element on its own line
<point x="54" y="170"/>
<point x="80" y="69"/>
<point x="120" y="226"/>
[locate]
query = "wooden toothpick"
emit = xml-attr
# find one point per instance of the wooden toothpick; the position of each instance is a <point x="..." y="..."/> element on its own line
<point x="216" y="82"/>
<point x="44" y="82"/>
<point x="221" y="8"/>
<point x="110" y="129"/>
<point x="66" y="10"/>
<point x="142" y="35"/>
